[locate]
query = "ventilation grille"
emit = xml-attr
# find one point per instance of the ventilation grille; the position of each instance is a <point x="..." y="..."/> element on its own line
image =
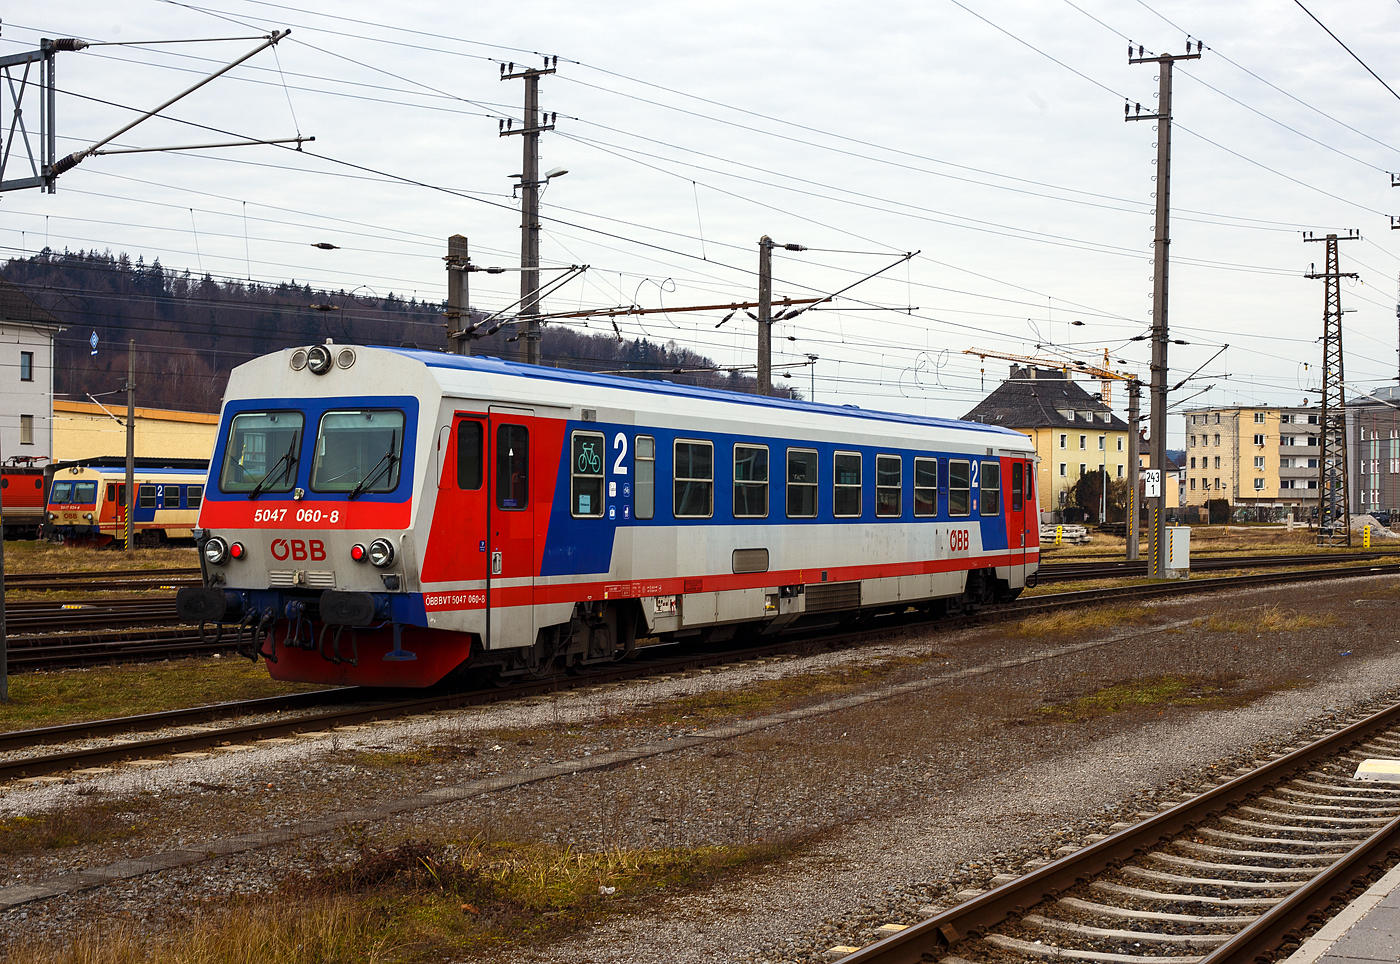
<point x="830" y="597"/>
<point x="281" y="578"/>
<point x="320" y="578"/>
<point x="292" y="578"/>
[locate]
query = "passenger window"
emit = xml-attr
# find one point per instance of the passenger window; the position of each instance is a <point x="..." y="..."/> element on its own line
<point x="846" y="485"/>
<point x="925" y="487"/>
<point x="171" y="498"/>
<point x="1017" y="480"/>
<point x="194" y="495"/>
<point x="889" y="486"/>
<point x="644" y="466"/>
<point x="801" y="484"/>
<point x="959" y="487"/>
<point x="469" y="437"/>
<point x="750" y="482"/>
<point x="694" y="478"/>
<point x="512" y="467"/>
<point x="586" y="461"/>
<point x="147" y="495"/>
<point x="991" y="488"/>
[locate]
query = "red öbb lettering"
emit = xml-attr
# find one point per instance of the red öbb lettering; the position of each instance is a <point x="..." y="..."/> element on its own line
<point x="318" y="550"/>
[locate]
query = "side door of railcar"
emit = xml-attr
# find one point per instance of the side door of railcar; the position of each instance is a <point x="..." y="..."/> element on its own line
<point x="1016" y="515"/>
<point x="457" y="538"/>
<point x="510" y="595"/>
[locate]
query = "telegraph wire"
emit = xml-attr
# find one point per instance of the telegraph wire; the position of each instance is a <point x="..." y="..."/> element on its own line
<point x="1347" y="49"/>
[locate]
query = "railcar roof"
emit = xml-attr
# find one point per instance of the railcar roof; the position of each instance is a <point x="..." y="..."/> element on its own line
<point x="498" y="366"/>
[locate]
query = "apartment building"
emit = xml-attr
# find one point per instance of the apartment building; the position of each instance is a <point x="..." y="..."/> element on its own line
<point x="26" y="376"/>
<point x="1265" y="456"/>
<point x="1373" y="451"/>
<point x="1074" y="432"/>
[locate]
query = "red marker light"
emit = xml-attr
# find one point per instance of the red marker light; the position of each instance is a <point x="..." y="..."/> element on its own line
<point x="357" y="552"/>
<point x="236" y="550"/>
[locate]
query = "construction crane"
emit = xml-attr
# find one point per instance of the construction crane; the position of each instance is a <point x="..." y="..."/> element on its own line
<point x="1104" y="374"/>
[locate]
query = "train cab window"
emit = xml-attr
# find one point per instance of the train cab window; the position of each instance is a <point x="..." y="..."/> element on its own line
<point x="586" y="461"/>
<point x="925" y="488"/>
<point x="845" y="481"/>
<point x="512" y="467"/>
<point x="694" y="478"/>
<point x="62" y="493"/>
<point x="990" y="486"/>
<point x="959" y="487"/>
<point x="262" y="452"/>
<point x="469" y="438"/>
<point x="172" y="497"/>
<point x="889" y="486"/>
<point x="194" y="495"/>
<point x="1018" y="474"/>
<point x="750" y="482"/>
<point x="644" y="465"/>
<point x="801" y="484"/>
<point x="358" y="451"/>
<point x="147" y="495"/>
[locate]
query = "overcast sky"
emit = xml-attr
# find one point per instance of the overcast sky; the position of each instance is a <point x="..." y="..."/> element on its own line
<point x="988" y="136"/>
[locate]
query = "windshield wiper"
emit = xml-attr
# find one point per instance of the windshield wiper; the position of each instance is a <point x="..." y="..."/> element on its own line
<point x="291" y="460"/>
<point x="382" y="466"/>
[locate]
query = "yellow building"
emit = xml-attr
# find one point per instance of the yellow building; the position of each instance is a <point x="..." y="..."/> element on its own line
<point x="1259" y="455"/>
<point x="83" y="430"/>
<point x="1074" y="433"/>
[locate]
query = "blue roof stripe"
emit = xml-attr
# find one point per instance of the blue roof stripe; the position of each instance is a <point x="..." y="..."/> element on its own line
<point x="498" y="366"/>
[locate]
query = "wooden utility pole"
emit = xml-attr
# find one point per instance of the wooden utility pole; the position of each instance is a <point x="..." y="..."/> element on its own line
<point x="1157" y="565"/>
<point x="1333" y="498"/>
<point x="457" y="295"/>
<point x="530" y="201"/>
<point x="130" y="445"/>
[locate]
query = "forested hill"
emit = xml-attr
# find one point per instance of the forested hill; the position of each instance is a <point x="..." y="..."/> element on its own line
<point x="191" y="331"/>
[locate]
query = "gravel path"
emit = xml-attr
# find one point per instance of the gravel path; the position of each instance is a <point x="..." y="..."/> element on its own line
<point x="910" y="799"/>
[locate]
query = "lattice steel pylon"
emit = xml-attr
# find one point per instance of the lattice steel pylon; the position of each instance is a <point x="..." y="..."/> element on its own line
<point x="1333" y="498"/>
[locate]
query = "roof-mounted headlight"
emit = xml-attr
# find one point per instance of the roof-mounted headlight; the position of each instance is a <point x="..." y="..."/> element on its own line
<point x="318" y="359"/>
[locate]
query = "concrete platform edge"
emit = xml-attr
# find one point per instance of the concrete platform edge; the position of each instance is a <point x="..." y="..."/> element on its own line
<point x="1321" y="942"/>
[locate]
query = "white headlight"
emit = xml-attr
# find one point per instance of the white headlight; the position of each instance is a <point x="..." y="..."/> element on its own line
<point x="381" y="553"/>
<point x="318" y="359"/>
<point x="215" y="551"/>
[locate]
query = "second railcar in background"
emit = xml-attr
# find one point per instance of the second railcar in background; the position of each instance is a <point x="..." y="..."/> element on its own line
<point x="22" y="495"/>
<point x="387" y="516"/>
<point x="87" y="504"/>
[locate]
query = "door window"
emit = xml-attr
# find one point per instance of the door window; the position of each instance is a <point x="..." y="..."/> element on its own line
<point x="1017" y="481"/>
<point x="512" y="467"/>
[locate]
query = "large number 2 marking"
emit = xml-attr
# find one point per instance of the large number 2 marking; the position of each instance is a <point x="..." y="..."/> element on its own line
<point x="620" y="443"/>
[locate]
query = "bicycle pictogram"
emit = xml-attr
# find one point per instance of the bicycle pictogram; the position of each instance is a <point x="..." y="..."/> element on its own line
<point x="588" y="459"/>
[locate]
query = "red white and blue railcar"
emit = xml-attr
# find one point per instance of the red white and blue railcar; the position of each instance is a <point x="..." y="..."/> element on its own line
<point x="387" y="516"/>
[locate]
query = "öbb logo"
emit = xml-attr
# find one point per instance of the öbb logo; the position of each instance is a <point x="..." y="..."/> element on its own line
<point x="298" y="550"/>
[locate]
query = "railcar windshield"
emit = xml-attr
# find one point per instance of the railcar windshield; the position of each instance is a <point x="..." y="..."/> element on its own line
<point x="73" y="493"/>
<point x="358" y="451"/>
<point x="262" y="453"/>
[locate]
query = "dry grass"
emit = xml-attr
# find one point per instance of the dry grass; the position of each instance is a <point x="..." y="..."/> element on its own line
<point x="326" y="931"/>
<point x="417" y="901"/>
<point x="46" y="557"/>
<point x="1073" y="622"/>
<point x="1138" y="694"/>
<point x="87" y="822"/>
<point x="72" y="696"/>
<point x="1271" y="619"/>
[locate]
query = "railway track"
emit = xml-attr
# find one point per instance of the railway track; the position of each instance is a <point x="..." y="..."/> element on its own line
<point x="651" y="661"/>
<point x="132" y="579"/>
<point x="1109" y="569"/>
<point x="1231" y="876"/>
